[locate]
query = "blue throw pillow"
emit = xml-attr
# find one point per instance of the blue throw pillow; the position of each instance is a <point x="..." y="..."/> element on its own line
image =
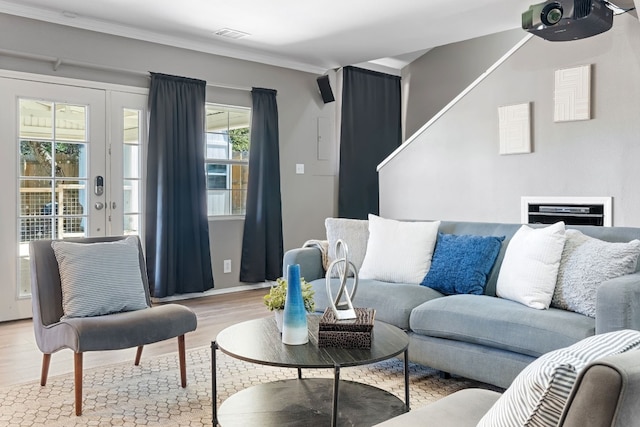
<point x="461" y="264"/>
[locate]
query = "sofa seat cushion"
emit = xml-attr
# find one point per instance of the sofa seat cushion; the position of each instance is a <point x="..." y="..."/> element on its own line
<point x="500" y="323"/>
<point x="393" y="302"/>
<point x="463" y="408"/>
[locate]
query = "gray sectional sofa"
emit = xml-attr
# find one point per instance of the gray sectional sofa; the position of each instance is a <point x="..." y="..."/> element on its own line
<point x="484" y="337"/>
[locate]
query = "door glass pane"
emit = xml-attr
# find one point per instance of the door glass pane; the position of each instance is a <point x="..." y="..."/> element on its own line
<point x="71" y="122"/>
<point x="132" y="171"/>
<point x="35" y="222"/>
<point x="36" y="198"/>
<point x="36" y="119"/>
<point x="52" y="176"/>
<point x="71" y="160"/>
<point x="71" y="199"/>
<point x="35" y="158"/>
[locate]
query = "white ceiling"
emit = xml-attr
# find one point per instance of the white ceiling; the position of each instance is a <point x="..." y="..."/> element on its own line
<point x="306" y="35"/>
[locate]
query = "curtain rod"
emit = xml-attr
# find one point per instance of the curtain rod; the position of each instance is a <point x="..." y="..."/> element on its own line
<point x="57" y="62"/>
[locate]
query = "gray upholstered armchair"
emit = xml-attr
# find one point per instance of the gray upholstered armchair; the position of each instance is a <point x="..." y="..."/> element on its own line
<point x="120" y="330"/>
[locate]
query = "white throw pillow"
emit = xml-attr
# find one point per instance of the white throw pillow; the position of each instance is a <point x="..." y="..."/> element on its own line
<point x="100" y="278"/>
<point x="399" y="251"/>
<point x="354" y="232"/>
<point x="586" y="263"/>
<point x="530" y="267"/>
<point x="539" y="393"/>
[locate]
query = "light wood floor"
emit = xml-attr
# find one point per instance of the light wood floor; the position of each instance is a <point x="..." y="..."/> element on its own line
<point x="20" y="359"/>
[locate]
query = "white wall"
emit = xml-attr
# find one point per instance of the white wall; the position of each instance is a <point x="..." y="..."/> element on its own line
<point x="437" y="77"/>
<point x="453" y="170"/>
<point x="306" y="199"/>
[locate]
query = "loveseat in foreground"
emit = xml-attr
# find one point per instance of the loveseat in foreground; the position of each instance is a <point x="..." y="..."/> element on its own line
<point x="483" y="337"/>
<point x="605" y="394"/>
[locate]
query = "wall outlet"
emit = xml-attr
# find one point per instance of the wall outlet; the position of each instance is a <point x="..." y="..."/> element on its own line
<point x="300" y="168"/>
<point x="227" y="266"/>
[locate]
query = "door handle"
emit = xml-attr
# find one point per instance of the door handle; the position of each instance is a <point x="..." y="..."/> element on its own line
<point x="99" y="205"/>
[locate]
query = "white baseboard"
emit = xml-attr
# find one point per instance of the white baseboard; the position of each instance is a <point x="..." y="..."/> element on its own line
<point x="211" y="292"/>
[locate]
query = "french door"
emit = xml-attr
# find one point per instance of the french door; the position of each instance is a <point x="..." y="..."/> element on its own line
<point x="71" y="166"/>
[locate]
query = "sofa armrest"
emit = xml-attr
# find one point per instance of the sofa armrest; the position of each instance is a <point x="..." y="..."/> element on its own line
<point x="618" y="304"/>
<point x="605" y="393"/>
<point x="310" y="260"/>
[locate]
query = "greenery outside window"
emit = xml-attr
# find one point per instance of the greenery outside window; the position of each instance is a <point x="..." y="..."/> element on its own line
<point x="227" y="158"/>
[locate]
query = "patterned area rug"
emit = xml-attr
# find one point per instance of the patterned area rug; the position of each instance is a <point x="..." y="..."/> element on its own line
<point x="149" y="394"/>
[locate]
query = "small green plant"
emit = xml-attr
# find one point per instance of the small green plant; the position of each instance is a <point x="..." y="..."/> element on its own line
<point x="277" y="295"/>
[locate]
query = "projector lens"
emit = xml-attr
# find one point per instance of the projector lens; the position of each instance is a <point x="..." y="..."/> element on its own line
<point x="551" y="14"/>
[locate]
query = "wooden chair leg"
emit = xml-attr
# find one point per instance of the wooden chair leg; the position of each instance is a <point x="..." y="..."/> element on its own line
<point x="46" y="361"/>
<point x="183" y="361"/>
<point x="77" y="376"/>
<point x="138" y="355"/>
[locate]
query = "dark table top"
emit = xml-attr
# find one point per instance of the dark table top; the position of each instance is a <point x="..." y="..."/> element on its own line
<point x="259" y="341"/>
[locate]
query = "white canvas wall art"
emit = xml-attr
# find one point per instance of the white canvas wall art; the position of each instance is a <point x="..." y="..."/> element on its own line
<point x="515" y="128"/>
<point x="572" y="94"/>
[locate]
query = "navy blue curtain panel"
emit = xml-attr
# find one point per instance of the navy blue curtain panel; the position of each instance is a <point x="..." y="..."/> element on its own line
<point x="176" y="225"/>
<point x="262" y="248"/>
<point x="371" y="130"/>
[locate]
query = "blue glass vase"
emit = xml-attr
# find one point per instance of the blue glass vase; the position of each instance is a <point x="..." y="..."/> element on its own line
<point x="294" y="318"/>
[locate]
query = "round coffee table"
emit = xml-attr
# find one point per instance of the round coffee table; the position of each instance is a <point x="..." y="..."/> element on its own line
<point x="307" y="401"/>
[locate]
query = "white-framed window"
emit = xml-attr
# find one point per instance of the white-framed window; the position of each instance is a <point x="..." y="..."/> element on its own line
<point x="227" y="130"/>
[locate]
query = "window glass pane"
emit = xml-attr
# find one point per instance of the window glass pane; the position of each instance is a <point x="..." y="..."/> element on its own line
<point x="70" y="160"/>
<point x="227" y="143"/>
<point x="213" y="169"/>
<point x="131" y="224"/>
<point x="35" y="158"/>
<point x="131" y="171"/>
<point x="217" y="118"/>
<point x="217" y="146"/>
<point x="131" y="159"/>
<point x="36" y="119"/>
<point x="131" y="126"/>
<point x="227" y="192"/>
<point x="71" y="122"/>
<point x="239" y="143"/>
<point x="131" y="196"/>
<point x="217" y="182"/>
<point x="239" y="182"/>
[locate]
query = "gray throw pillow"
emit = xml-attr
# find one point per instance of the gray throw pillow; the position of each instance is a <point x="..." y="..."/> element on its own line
<point x="100" y="278"/>
<point x="354" y="232"/>
<point x="587" y="262"/>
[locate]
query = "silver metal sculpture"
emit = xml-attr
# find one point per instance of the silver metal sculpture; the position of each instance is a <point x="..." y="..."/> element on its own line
<point x="343" y="310"/>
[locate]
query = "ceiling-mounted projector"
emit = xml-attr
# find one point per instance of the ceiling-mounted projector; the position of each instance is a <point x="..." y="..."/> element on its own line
<point x="564" y="20"/>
